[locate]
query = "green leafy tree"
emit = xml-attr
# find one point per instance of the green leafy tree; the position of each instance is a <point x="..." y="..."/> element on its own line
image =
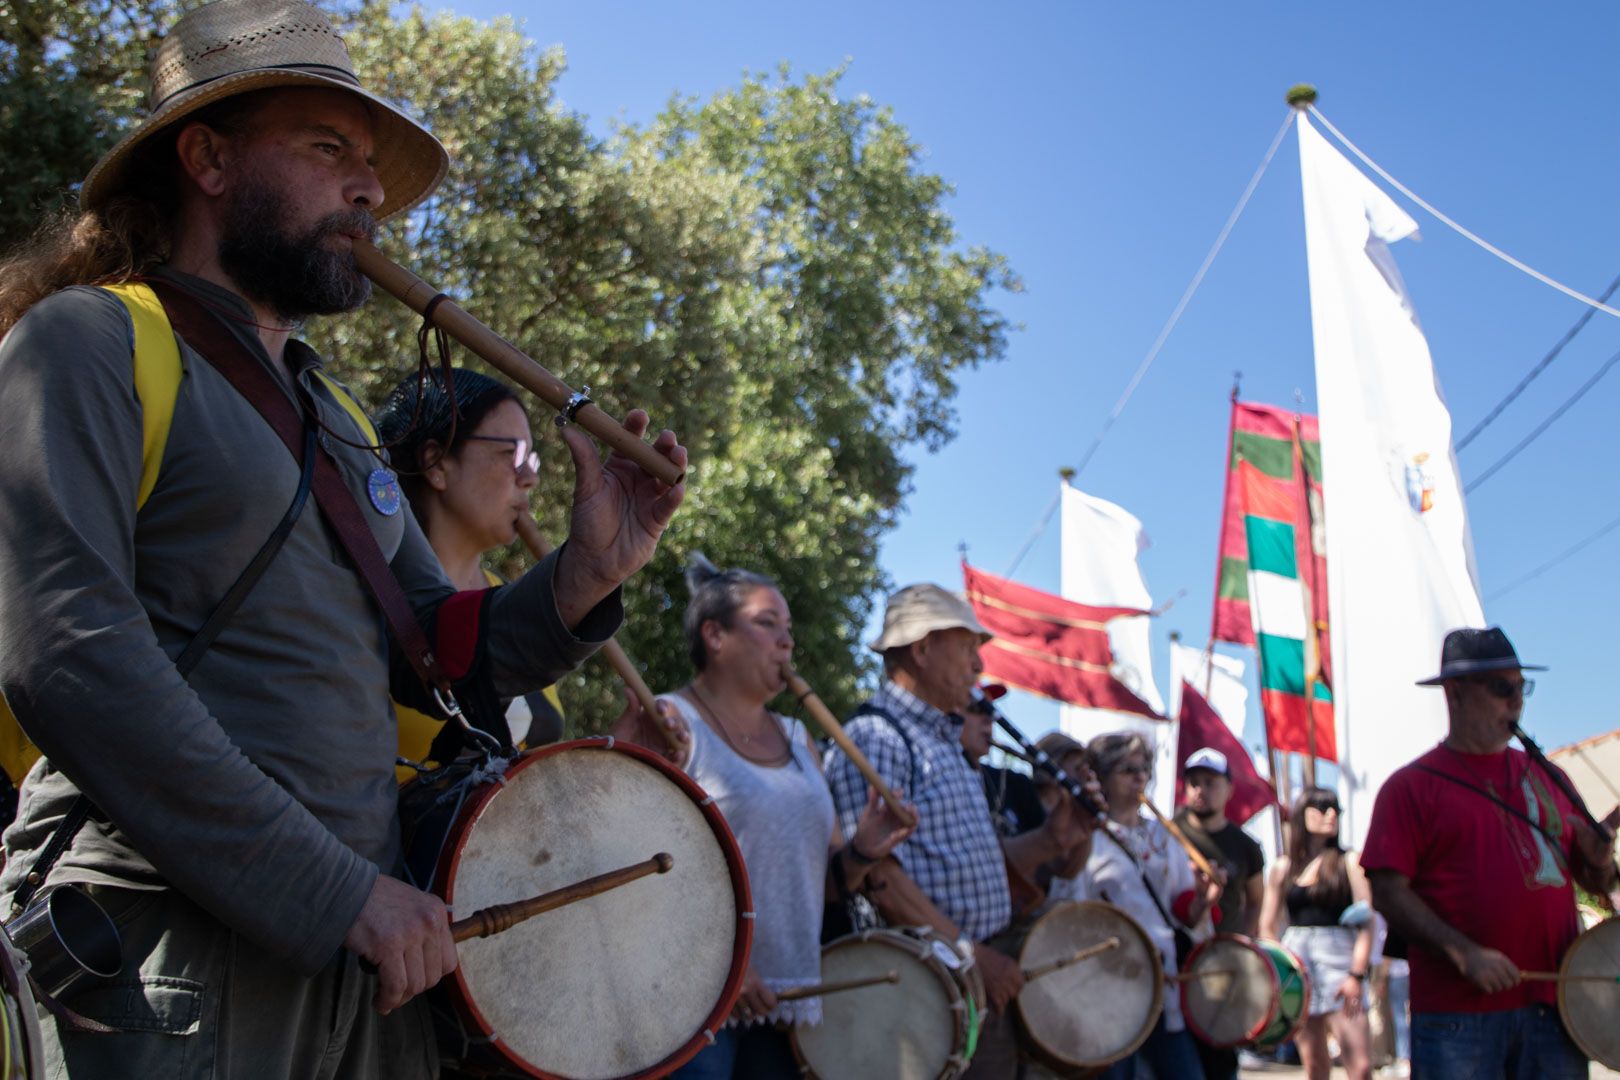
<point x="770" y="273"/>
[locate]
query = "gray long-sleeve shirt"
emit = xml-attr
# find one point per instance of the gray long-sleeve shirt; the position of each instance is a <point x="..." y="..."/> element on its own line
<point x="263" y="785"/>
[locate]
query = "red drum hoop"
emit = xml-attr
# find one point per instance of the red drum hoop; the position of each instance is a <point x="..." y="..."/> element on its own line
<point x="666" y="961"/>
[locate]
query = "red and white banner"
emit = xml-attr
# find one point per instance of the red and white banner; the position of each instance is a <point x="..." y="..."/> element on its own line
<point x="1048" y="645"/>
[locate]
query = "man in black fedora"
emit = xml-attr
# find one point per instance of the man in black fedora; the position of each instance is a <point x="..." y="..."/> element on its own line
<point x="1473" y="853"/>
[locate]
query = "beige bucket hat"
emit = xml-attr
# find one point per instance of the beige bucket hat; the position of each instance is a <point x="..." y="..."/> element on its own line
<point x="918" y="610"/>
<point x="234" y="46"/>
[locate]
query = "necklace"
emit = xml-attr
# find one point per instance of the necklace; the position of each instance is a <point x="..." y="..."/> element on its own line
<point x="1507" y="770"/>
<point x="774" y="757"/>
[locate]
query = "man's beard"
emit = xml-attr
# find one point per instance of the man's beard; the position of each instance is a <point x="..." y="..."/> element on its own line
<point x="295" y="276"/>
<point x="1204" y="814"/>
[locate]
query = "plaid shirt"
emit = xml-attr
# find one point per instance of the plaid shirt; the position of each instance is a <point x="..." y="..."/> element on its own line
<point x="954" y="856"/>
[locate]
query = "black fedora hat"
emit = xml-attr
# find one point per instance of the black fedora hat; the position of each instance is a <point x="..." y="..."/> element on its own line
<point x="1471" y="651"/>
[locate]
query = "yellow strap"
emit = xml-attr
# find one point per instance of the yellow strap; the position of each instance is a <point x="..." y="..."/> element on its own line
<point x="350" y="406"/>
<point x="157" y="377"/>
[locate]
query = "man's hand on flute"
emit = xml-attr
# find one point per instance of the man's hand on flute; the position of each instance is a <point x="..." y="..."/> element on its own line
<point x="618" y="515"/>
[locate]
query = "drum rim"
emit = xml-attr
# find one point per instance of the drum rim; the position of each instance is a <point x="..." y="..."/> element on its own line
<point x="1253" y="1033"/>
<point x="898" y="938"/>
<point x="1564" y="969"/>
<point x="742" y="941"/>
<point x="1040" y="1048"/>
<point x="1305" y="989"/>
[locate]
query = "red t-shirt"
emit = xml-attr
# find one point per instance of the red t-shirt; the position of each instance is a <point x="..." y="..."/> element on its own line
<point x="1481" y="869"/>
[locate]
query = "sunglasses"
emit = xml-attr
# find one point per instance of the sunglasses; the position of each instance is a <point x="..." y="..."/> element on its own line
<point x="521" y="454"/>
<point x="1134" y="770"/>
<point x="1506" y="689"/>
<point x="1324" y="807"/>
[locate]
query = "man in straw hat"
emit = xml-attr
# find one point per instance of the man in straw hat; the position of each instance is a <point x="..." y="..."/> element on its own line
<point x="1473" y="853"/>
<point x="951" y="874"/>
<point x="240" y="820"/>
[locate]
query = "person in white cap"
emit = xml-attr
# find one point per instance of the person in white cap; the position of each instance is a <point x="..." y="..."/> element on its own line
<point x="218" y="764"/>
<point x="1207" y="788"/>
<point x="951" y="873"/>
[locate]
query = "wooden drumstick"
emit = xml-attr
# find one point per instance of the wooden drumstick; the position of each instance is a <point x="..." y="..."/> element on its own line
<point x="497" y="917"/>
<point x="1554" y="976"/>
<point x="1058" y="965"/>
<point x="417" y="295"/>
<point x="837" y="987"/>
<point x="1193" y="853"/>
<point x="613" y="651"/>
<point x="829" y="723"/>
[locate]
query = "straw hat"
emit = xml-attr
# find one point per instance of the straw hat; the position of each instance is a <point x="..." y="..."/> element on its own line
<point x="234" y="46"/>
<point x="918" y="610"/>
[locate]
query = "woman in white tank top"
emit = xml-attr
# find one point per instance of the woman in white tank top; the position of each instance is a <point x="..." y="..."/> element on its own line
<point x="765" y="775"/>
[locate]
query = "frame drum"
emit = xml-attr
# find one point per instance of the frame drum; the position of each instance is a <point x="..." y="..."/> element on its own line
<point x="1589" y="1006"/>
<point x="1093" y="1013"/>
<point x="630" y="983"/>
<point x="925" y="1027"/>
<point x="1241" y="992"/>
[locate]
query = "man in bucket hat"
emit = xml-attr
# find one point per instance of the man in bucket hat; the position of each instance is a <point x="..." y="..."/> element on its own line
<point x="231" y="793"/>
<point x="951" y="874"/>
<point x="1473" y="853"/>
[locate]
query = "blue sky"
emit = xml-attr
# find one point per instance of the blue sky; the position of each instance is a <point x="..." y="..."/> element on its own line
<point x="1101" y="146"/>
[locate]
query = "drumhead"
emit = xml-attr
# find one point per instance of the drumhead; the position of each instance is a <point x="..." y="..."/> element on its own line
<point x="911" y="1030"/>
<point x="1229" y="990"/>
<point x="622" y="984"/>
<point x="1097" y="1011"/>
<point x="1589" y="1007"/>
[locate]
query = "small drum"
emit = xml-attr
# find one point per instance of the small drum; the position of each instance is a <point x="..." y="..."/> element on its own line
<point x="629" y="983"/>
<point x="1099" y="1010"/>
<point x="1236" y="991"/>
<point x="924" y="1027"/>
<point x="1590" y="1004"/>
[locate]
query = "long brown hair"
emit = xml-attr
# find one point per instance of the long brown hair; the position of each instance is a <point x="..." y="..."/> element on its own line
<point x="1332" y="885"/>
<point x="125" y="237"/>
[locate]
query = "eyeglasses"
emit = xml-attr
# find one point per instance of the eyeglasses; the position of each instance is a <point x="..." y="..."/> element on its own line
<point x="521" y="454"/>
<point x="1134" y="770"/>
<point x="1506" y="689"/>
<point x="1324" y="807"/>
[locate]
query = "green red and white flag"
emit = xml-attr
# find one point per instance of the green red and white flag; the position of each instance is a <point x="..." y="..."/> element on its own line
<point x="1272" y="586"/>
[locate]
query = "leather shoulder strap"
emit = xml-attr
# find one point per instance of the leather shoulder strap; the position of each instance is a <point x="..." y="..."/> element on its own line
<point x="215" y="342"/>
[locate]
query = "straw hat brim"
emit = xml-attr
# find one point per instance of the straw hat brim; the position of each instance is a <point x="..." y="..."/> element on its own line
<point x="410" y="162"/>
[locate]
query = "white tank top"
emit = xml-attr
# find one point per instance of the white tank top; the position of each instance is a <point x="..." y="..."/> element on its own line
<point x="783" y="820"/>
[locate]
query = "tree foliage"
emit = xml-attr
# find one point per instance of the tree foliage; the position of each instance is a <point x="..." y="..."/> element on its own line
<point x="771" y="273"/>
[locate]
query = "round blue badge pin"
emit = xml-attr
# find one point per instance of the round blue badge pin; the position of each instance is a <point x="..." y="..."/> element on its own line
<point x="382" y="486"/>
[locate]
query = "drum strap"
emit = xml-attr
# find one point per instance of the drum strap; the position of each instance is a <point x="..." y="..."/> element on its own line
<point x="868" y="709"/>
<point x="1553" y="842"/>
<point x="1184" y="941"/>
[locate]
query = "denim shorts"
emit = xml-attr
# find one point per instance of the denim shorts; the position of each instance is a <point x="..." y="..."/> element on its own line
<point x="1512" y="1044"/>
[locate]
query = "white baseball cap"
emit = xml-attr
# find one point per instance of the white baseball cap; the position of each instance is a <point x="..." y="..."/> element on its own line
<point x="1207" y="758"/>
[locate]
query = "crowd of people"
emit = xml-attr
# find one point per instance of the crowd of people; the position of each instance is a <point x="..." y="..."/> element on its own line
<point x="218" y="744"/>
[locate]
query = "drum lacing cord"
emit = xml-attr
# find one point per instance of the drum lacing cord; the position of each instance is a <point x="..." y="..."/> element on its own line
<point x="488" y="770"/>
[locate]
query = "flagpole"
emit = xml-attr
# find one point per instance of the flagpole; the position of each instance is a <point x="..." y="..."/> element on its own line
<point x="1220" y="539"/>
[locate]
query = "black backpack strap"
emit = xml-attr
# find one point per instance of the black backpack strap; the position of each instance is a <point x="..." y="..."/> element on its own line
<point x="869" y="709"/>
<point x="82" y="808"/>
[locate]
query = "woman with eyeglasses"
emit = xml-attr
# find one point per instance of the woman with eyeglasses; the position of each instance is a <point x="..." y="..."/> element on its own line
<point x="1139" y="868"/>
<point x="467" y="472"/>
<point x="1310" y="889"/>
<point x="764" y="772"/>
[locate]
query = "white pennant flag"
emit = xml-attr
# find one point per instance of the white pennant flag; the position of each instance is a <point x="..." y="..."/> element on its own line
<point x="1101" y="542"/>
<point x="1400" y="561"/>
